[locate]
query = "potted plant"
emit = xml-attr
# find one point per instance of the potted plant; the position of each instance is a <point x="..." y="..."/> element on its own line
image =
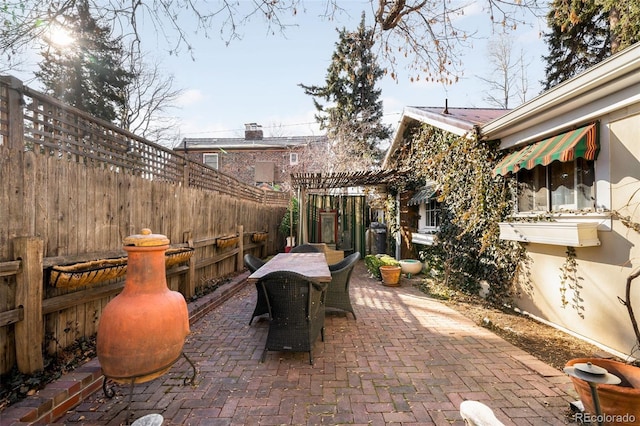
<point x="289" y="224"/>
<point x="615" y="401"/>
<point x="384" y="267"/>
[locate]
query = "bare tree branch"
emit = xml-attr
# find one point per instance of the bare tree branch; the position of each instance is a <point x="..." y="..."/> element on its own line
<point x="151" y="98"/>
<point x="505" y="73"/>
<point x="423" y="31"/>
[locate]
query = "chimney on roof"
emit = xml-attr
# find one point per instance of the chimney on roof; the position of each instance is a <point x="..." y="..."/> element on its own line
<point x="253" y="132"/>
<point x="446" y="106"/>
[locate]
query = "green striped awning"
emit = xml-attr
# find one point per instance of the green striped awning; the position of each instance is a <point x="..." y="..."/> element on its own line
<point x="422" y="196"/>
<point x="578" y="143"/>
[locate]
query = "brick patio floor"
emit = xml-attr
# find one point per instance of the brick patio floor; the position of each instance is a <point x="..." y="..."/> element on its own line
<point x="407" y="360"/>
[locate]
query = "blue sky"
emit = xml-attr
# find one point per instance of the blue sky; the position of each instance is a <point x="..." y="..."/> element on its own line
<point x="255" y="79"/>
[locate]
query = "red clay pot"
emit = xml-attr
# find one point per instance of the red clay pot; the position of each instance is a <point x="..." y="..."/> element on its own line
<point x="390" y="275"/>
<point x="142" y="330"/>
<point x="615" y="400"/>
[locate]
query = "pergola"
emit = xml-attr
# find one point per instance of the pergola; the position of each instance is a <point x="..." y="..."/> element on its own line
<point x="314" y="183"/>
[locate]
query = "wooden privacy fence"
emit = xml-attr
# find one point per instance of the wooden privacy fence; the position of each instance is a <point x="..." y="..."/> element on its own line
<point x="31" y="270"/>
<point x="72" y="188"/>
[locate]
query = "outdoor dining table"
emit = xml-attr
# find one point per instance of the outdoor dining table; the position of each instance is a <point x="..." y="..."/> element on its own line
<point x="312" y="265"/>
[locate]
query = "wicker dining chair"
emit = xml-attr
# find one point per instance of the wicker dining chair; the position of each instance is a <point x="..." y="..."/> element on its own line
<point x="305" y="248"/>
<point x="338" y="291"/>
<point x="296" y="312"/>
<point x="253" y="264"/>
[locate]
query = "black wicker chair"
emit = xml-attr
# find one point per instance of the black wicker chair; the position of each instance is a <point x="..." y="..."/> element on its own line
<point x="296" y="312"/>
<point x="305" y="248"/>
<point x="253" y="264"/>
<point x="338" y="290"/>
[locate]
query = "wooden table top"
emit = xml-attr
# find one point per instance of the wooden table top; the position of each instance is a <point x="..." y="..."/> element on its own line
<point x="312" y="265"/>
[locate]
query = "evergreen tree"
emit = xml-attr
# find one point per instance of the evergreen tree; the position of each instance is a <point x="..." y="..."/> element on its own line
<point x="88" y="74"/>
<point x="352" y="110"/>
<point x="585" y="32"/>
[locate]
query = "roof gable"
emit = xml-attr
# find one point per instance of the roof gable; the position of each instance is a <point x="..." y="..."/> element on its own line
<point x="459" y="121"/>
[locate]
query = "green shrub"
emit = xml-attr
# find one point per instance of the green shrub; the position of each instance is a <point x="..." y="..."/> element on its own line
<point x="375" y="261"/>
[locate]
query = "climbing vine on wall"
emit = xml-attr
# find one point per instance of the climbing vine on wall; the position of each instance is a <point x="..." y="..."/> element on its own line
<point x="570" y="280"/>
<point x="473" y="203"/>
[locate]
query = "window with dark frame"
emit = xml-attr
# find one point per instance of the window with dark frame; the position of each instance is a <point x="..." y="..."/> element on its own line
<point x="560" y="186"/>
<point x="432" y="213"/>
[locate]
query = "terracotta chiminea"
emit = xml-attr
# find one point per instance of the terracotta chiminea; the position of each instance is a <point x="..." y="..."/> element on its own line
<point x="142" y="330"/>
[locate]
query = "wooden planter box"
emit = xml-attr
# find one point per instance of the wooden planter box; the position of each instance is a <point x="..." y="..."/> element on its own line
<point x="229" y="241"/>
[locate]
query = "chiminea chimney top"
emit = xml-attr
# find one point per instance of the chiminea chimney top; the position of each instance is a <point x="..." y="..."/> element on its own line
<point x="253" y="132"/>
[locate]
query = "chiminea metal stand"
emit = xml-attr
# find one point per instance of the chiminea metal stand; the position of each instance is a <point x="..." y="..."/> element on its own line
<point x="594" y="375"/>
<point x="110" y="393"/>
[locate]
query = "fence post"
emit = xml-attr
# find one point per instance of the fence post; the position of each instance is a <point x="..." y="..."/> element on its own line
<point x="15" y="111"/>
<point x="240" y="257"/>
<point x="29" y="331"/>
<point x="185" y="170"/>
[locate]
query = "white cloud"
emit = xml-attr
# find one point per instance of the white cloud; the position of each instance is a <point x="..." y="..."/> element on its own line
<point x="190" y="97"/>
<point x="473" y="9"/>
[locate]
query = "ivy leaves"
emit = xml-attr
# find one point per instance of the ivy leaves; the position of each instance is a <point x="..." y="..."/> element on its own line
<point x="474" y="202"/>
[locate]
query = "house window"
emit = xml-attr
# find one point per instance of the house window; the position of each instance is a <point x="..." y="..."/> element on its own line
<point x="293" y="158"/>
<point x="211" y="160"/>
<point x="559" y="186"/>
<point x="432" y="213"/>
<point x="429" y="210"/>
<point x="430" y="216"/>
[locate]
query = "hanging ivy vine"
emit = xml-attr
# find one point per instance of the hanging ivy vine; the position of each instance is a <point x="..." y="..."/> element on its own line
<point x="570" y="280"/>
<point x="473" y="203"/>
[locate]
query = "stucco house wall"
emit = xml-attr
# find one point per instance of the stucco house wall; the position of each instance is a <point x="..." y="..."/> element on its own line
<point x="608" y="94"/>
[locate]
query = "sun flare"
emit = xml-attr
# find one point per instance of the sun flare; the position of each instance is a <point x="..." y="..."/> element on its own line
<point x="60" y="36"/>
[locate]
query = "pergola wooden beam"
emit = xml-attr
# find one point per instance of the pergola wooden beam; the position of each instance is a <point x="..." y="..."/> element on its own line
<point x="342" y="180"/>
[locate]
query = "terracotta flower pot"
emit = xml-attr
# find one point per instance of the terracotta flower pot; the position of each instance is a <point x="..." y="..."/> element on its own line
<point x="142" y="330"/>
<point x="615" y="400"/>
<point x="390" y="275"/>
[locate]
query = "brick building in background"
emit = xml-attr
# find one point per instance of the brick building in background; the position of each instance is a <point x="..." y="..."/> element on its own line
<point x="259" y="160"/>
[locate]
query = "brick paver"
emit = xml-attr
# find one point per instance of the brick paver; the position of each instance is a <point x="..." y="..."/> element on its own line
<point x="406" y="360"/>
